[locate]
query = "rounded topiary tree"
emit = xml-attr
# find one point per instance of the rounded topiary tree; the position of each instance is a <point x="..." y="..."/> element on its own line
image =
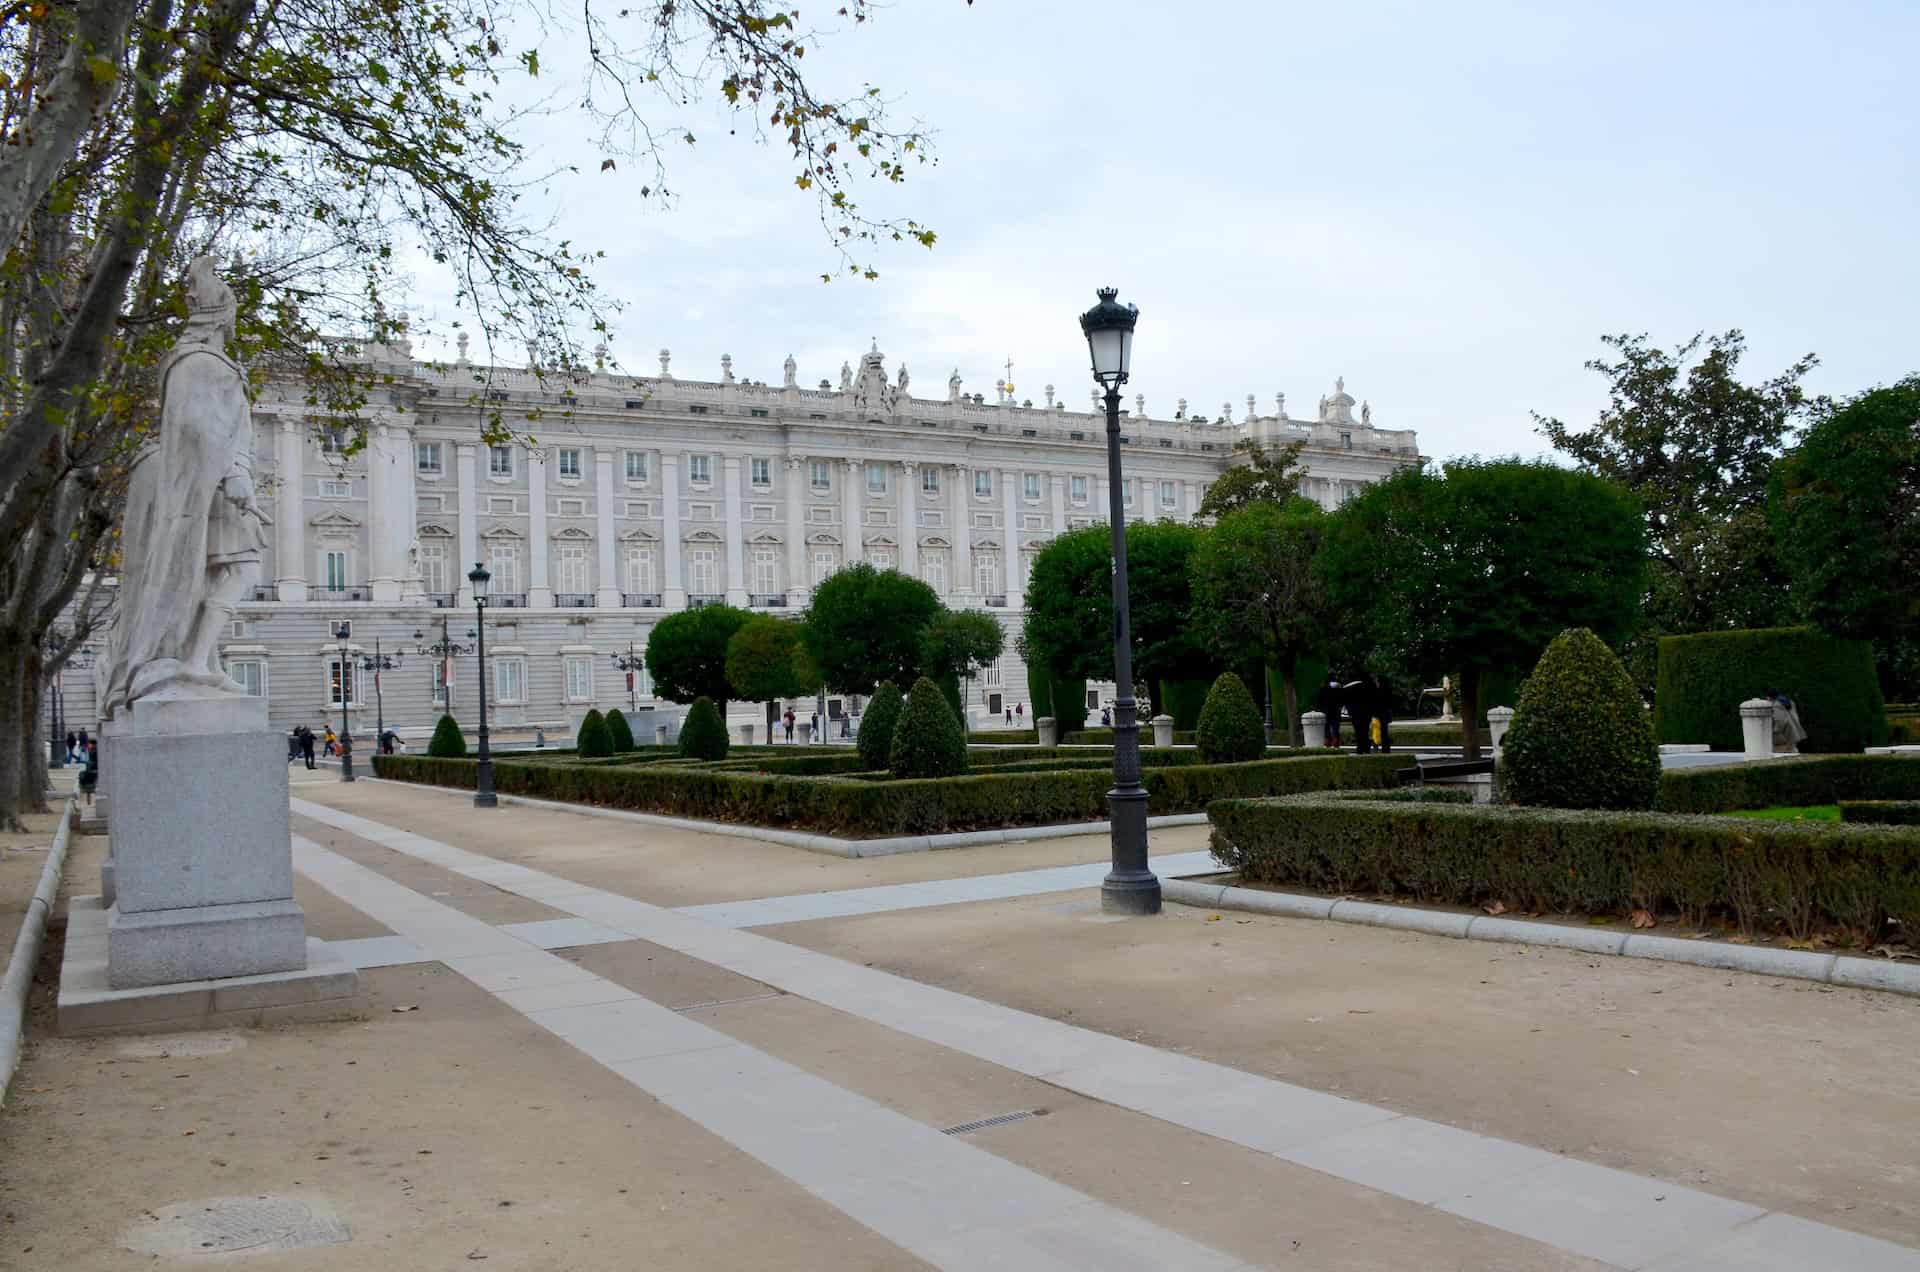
<point x="1229" y="730"/>
<point x="447" y="743"/>
<point x="593" y="740"/>
<point x="878" y="724"/>
<point x="619" y="731"/>
<point x="1580" y="737"/>
<point x="927" y="741"/>
<point x="703" y="734"/>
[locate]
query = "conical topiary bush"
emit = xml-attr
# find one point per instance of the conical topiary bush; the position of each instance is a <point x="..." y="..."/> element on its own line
<point x="1229" y="729"/>
<point x="927" y="741"/>
<point x="877" y="725"/>
<point x="703" y="734"/>
<point x="619" y="731"/>
<point x="594" y="741"/>
<point x="447" y="742"/>
<point x="1581" y="738"/>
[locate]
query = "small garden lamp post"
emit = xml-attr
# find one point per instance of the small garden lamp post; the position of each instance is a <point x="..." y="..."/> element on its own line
<point x="443" y="651"/>
<point x="631" y="663"/>
<point x="345" y="682"/>
<point x="377" y="662"/>
<point x="1130" y="887"/>
<point x="483" y="796"/>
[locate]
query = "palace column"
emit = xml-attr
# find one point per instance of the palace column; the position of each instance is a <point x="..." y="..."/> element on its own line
<point x="1059" y="523"/>
<point x="1010" y="541"/>
<point x="290" y="523"/>
<point x="799" y="581"/>
<point x="1193" y="499"/>
<point x="389" y="523"/>
<point x="736" y="532"/>
<point x="675" y="595"/>
<point x="961" y="585"/>
<point x="465" y="456"/>
<point x="850" y="497"/>
<point x="607" y="594"/>
<point x="539" y="546"/>
<point x="910" y="519"/>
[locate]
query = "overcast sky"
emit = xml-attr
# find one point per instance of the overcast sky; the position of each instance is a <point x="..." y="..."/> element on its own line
<point x="1446" y="204"/>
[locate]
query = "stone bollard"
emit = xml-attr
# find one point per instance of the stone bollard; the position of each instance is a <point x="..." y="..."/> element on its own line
<point x="1048" y="731"/>
<point x="659" y="735"/>
<point x="1313" y="727"/>
<point x="1163" y="730"/>
<point x="746" y="735"/>
<point x="1756" y="728"/>
<point x="1499" y="720"/>
<point x="804" y="731"/>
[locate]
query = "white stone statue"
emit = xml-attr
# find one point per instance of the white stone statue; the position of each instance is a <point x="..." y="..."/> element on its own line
<point x="194" y="532"/>
<point x="1366" y="413"/>
<point x="953" y="386"/>
<point x="903" y="380"/>
<point x="726" y="368"/>
<point x="846" y="378"/>
<point x="792" y="370"/>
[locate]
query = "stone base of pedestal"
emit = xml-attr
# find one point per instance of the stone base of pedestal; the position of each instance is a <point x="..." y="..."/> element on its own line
<point x="326" y="988"/>
<point x="109" y="886"/>
<point x="206" y="942"/>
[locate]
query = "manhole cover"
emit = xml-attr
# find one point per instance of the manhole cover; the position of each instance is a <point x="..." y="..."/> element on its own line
<point x="181" y="1046"/>
<point x="229" y="1226"/>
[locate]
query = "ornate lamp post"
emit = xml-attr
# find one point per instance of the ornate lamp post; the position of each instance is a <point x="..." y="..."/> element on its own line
<point x="1130" y="887"/>
<point x="483" y="796"/>
<point x="376" y="663"/>
<point x="340" y="631"/>
<point x="443" y="652"/>
<point x="631" y="663"/>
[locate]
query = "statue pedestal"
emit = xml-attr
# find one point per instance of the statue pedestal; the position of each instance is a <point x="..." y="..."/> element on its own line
<point x="202" y="854"/>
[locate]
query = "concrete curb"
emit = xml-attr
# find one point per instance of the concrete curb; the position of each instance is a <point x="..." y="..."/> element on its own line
<point x="1827" y="969"/>
<point x="26" y="950"/>
<point x="828" y="844"/>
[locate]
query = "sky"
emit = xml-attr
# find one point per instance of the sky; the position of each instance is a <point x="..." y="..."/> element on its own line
<point x="1445" y="204"/>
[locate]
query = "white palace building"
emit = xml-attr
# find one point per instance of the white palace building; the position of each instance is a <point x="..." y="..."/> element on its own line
<point x="646" y="495"/>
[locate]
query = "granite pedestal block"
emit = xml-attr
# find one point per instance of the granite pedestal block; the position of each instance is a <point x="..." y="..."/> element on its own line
<point x="202" y="855"/>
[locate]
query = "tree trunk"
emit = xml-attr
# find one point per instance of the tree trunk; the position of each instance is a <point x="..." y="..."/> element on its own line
<point x="1290" y="695"/>
<point x="1470" y="711"/>
<point x="22" y="787"/>
<point x="773" y="722"/>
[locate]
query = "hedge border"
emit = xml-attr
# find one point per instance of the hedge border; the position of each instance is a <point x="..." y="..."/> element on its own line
<point x="1881" y="812"/>
<point x="1824" y="779"/>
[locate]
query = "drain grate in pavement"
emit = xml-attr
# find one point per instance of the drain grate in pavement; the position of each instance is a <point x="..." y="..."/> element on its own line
<point x="235" y="1226"/>
<point x="968" y="1128"/>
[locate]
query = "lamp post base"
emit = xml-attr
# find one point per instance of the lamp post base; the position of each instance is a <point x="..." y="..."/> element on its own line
<point x="1130" y="894"/>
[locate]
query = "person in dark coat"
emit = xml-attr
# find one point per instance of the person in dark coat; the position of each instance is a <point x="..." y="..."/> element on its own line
<point x="1382" y="696"/>
<point x="1327" y="703"/>
<point x="1358" y="696"/>
<point x="306" y="745"/>
<point x="90" y="775"/>
<point x="73" y="745"/>
<point x="293" y="744"/>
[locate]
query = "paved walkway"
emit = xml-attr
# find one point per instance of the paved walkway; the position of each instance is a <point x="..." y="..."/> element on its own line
<point x="950" y="1060"/>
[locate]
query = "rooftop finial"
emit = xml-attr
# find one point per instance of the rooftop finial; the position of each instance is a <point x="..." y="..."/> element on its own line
<point x="666" y="356"/>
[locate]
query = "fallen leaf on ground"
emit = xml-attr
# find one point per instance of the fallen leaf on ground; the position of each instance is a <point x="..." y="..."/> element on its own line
<point x="1496" y="907"/>
<point x="1213" y="918"/>
<point x="415" y="1007"/>
<point x="1643" y="919"/>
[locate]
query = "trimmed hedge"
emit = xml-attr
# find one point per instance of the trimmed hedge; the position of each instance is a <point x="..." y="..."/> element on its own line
<point x="447" y="742"/>
<point x="1704" y="678"/>
<point x="1580" y="737"/>
<point x="1184" y="701"/>
<point x="1726" y="788"/>
<point x="1881" y="812"/>
<point x="1792" y="875"/>
<point x="860" y="808"/>
<point x="595" y="740"/>
<point x="1230" y="729"/>
<point x="927" y="740"/>
<point x="1006" y="737"/>
<point x="703" y="735"/>
<point x="875" y="742"/>
<point x="620" y="731"/>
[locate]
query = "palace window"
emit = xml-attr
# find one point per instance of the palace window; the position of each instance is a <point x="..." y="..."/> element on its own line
<point x="930" y="480"/>
<point x="573" y="568"/>
<point x="760" y="471"/>
<point x="333" y="439"/>
<point x="500" y="461"/>
<point x="426" y="457"/>
<point x="934" y="567"/>
<point x="822" y="565"/>
<point x="503" y="562"/>
<point x="340" y="680"/>
<point x="250" y="674"/>
<point x="579" y="678"/>
<point x="700" y="469"/>
<point x="570" y="462"/>
<point x="433" y="567"/>
<point x="983" y="483"/>
<point x="336" y="572"/>
<point x="1033" y="485"/>
<point x="509" y="680"/>
<point x="640" y="571"/>
<point x="330" y="489"/>
<point x="1079" y="490"/>
<point x="986" y="573"/>
<point x="703" y="571"/>
<point x="882" y="558"/>
<point x="820" y="475"/>
<point x="1167" y="496"/>
<point x="766" y="571"/>
<point x="636" y="466"/>
<point x="876" y="479"/>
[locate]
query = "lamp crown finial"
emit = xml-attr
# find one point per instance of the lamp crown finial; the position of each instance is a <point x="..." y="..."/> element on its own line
<point x="1109" y="293"/>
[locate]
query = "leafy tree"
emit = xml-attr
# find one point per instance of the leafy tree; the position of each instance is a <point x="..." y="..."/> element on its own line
<point x="865" y="626"/>
<point x="703" y="734"/>
<point x="957" y="643"/>
<point x="619" y="731"/>
<point x="927" y="741"/>
<point x="687" y="653"/>
<point x="1230" y="730"/>
<point x="1846" y="505"/>
<point x="1581" y="737"/>
<point x="1696" y="446"/>
<point x="877" y="725"/>
<point x="1258" y="591"/>
<point x="1267" y="477"/>
<point x="447" y="742"/>
<point x="1069" y="626"/>
<point x="595" y="740"/>
<point x="1478" y="566"/>
<point x="766" y="662"/>
<point x="323" y="146"/>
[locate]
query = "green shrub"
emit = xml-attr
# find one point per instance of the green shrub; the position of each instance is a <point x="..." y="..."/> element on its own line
<point x="447" y="742"/>
<point x="1797" y="875"/>
<point x="1580" y="738"/>
<point x="1183" y="700"/>
<point x="1883" y="812"/>
<point x="927" y="741"/>
<point x="1784" y="783"/>
<point x="1230" y="731"/>
<point x="849" y="805"/>
<point x="1069" y="705"/>
<point x="594" y="740"/>
<point x="1005" y="737"/>
<point x="619" y="732"/>
<point x="875" y="742"/>
<point x="1704" y="678"/>
<point x="703" y="734"/>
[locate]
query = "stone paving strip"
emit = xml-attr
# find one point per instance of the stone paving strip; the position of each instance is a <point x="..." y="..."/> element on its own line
<point x="1615" y="1217"/>
<point x="943" y="1200"/>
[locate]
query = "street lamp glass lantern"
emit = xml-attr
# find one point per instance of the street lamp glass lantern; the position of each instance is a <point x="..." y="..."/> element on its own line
<point x="478" y="576"/>
<point x="1109" y="330"/>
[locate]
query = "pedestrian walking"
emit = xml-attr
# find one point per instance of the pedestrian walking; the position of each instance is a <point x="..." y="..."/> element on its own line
<point x="293" y="744"/>
<point x="306" y="745"/>
<point x="90" y="775"/>
<point x="1009" y="715"/>
<point x="1382" y="729"/>
<point x="814" y="733"/>
<point x="788" y="720"/>
<point x="73" y="745"/>
<point x="332" y="742"/>
<point x="1327" y="703"/>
